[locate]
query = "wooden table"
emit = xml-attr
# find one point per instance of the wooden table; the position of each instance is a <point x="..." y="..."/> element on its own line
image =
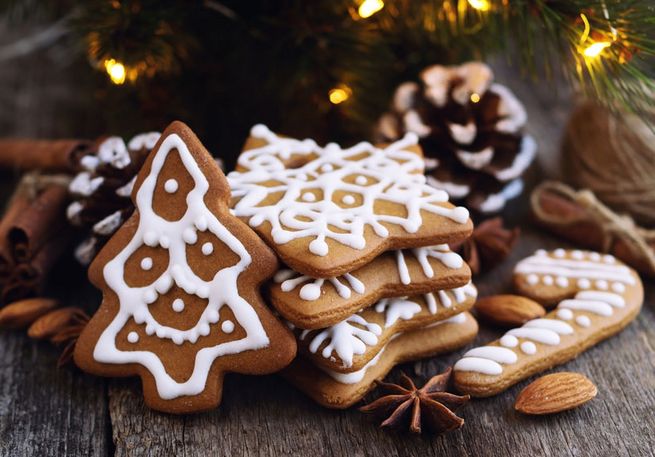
<point x="45" y="411"/>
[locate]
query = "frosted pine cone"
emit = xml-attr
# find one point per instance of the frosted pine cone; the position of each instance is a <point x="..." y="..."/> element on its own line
<point x="471" y="133"/>
<point x="101" y="190"/>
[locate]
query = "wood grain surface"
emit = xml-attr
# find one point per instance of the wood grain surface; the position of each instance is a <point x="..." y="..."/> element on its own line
<point x="45" y="411"/>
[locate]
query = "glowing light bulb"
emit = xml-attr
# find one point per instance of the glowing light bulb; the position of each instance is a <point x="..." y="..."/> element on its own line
<point x="481" y="5"/>
<point x="475" y="97"/>
<point x="369" y="7"/>
<point x="595" y="49"/>
<point x="339" y="94"/>
<point x="115" y="70"/>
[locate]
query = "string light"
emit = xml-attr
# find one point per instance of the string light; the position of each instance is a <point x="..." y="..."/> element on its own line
<point x="475" y="97"/>
<point x="368" y="8"/>
<point x="115" y="70"/>
<point x="595" y="49"/>
<point x="480" y="5"/>
<point x="339" y="94"/>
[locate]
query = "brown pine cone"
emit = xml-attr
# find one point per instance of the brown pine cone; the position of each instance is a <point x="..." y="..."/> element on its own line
<point x="101" y="190"/>
<point x="470" y="129"/>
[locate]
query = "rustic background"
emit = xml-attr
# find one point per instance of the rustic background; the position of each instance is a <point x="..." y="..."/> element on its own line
<point x="45" y="411"/>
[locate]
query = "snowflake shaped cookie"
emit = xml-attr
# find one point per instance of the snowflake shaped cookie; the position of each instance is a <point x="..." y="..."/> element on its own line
<point x="327" y="210"/>
<point x="179" y="280"/>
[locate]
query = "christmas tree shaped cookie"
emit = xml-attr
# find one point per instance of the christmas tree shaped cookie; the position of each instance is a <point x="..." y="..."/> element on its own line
<point x="180" y="282"/>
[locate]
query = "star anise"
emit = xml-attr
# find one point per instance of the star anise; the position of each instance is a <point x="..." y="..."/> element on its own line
<point x="489" y="245"/>
<point x="67" y="336"/>
<point x="429" y="408"/>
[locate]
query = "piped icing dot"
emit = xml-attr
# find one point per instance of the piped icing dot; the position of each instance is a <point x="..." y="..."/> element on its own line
<point x="607" y="258"/>
<point x="361" y="180"/>
<point x="540" y="253"/>
<point x="618" y="287"/>
<point x="584" y="283"/>
<point x="562" y="281"/>
<point x="595" y="257"/>
<point x="133" y="337"/>
<point x="509" y="341"/>
<point x="207" y="248"/>
<point x="560" y="253"/>
<point x="302" y="177"/>
<point x="165" y="241"/>
<point x="150" y="296"/>
<point x="227" y="326"/>
<point x="601" y="284"/>
<point x="146" y="263"/>
<point x="548" y="280"/>
<point x="528" y="347"/>
<point x="348" y="199"/>
<point x="308" y="197"/>
<point x="565" y="314"/>
<point x="532" y="279"/>
<point x="171" y="186"/>
<point x="326" y="168"/>
<point x="577" y="255"/>
<point x="583" y="321"/>
<point x="178" y="305"/>
<point x="310" y="292"/>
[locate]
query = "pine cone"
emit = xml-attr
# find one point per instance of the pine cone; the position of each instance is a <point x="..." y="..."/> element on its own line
<point x="471" y="133"/>
<point x="101" y="190"/>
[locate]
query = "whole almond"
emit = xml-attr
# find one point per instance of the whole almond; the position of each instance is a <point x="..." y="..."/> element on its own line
<point x="554" y="393"/>
<point x="508" y="310"/>
<point x="49" y="324"/>
<point x="22" y="313"/>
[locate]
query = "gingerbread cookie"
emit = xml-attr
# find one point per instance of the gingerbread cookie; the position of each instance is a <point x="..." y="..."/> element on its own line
<point x="352" y="343"/>
<point x="311" y="303"/>
<point x="341" y="390"/>
<point x="328" y="210"/>
<point x="180" y="286"/>
<point x="600" y="295"/>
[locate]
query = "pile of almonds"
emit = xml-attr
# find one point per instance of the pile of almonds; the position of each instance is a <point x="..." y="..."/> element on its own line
<point x="44" y="319"/>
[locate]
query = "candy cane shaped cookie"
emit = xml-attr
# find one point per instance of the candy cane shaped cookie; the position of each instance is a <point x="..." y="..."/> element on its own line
<point x="601" y="296"/>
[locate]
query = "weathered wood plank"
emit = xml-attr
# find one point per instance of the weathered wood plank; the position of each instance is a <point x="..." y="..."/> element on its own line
<point x="266" y="416"/>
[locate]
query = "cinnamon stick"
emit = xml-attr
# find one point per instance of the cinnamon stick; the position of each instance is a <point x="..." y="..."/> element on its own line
<point x="16" y="206"/>
<point x="48" y="155"/>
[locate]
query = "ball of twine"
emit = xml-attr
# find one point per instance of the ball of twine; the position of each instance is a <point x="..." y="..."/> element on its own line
<point x="613" y="155"/>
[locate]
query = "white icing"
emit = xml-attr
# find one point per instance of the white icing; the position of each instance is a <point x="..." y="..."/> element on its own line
<point x="356" y="376"/>
<point x="178" y="305"/>
<point x="345" y="339"/>
<point x="207" y="248"/>
<point x="495" y="353"/>
<point x="509" y="341"/>
<point x="528" y="347"/>
<point x="344" y="284"/>
<point x="578" y="265"/>
<point x="227" y="326"/>
<point x="171" y="186"/>
<point x="146" y="263"/>
<point x="348" y="200"/>
<point x="564" y="314"/>
<point x="220" y="291"/>
<point x="583" y="321"/>
<point x="397" y="308"/>
<point x="133" y="337"/>
<point x="532" y="279"/>
<point x="394" y="175"/>
<point x="479" y="365"/>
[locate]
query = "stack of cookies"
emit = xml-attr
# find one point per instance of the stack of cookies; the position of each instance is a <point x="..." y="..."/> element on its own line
<point x="369" y="279"/>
